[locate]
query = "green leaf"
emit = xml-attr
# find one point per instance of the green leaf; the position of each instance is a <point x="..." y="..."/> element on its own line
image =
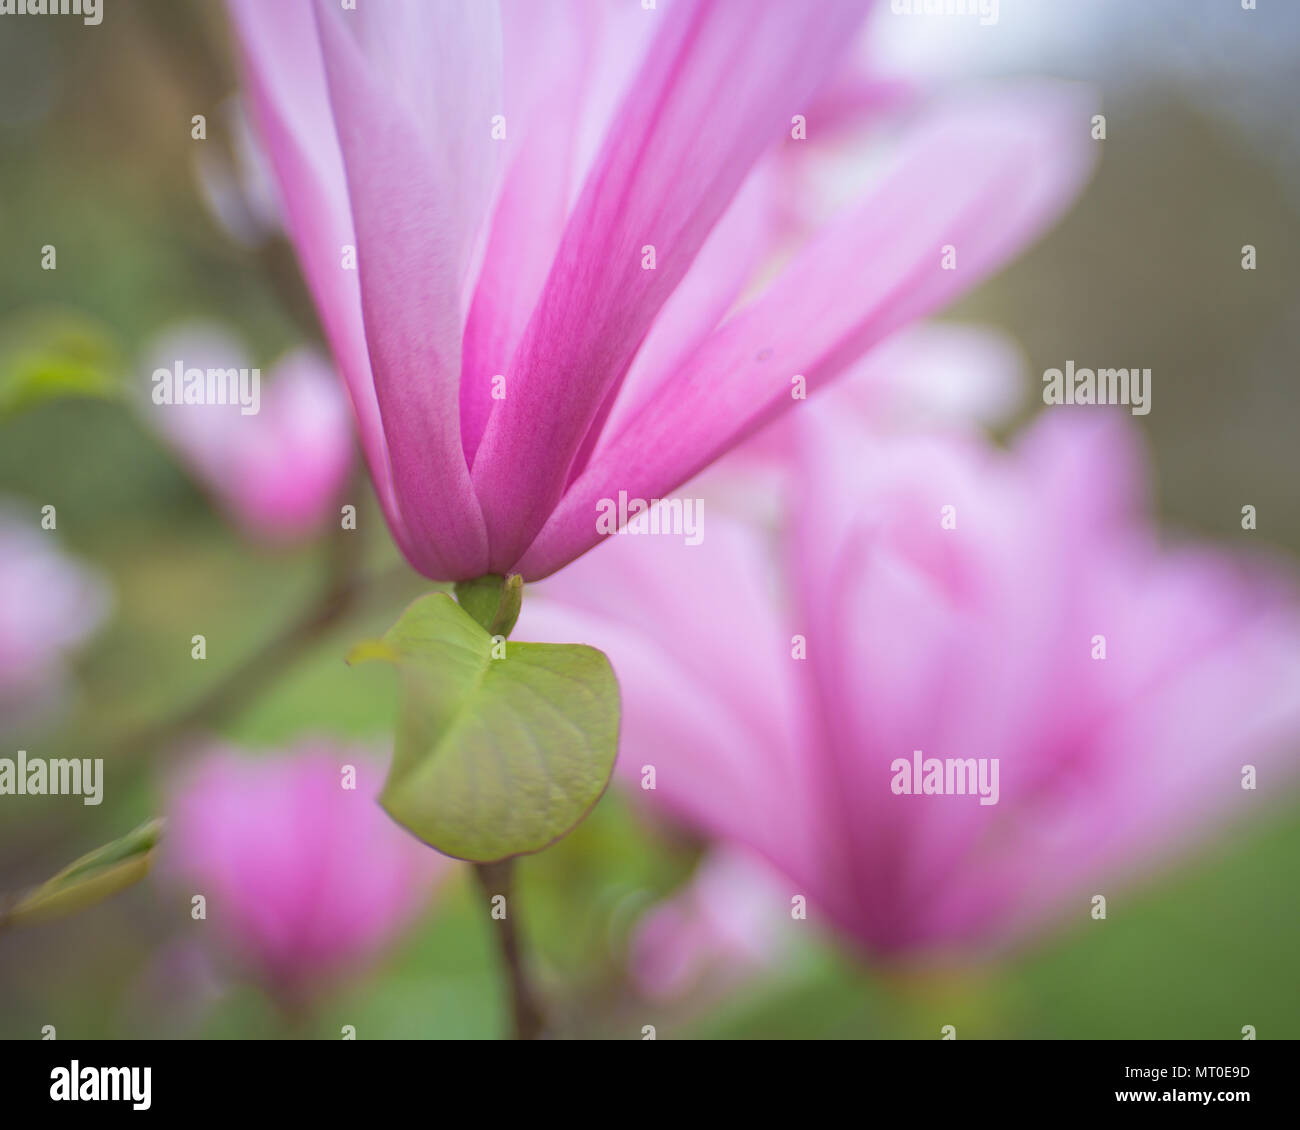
<point x="91" y="879"/>
<point x="493" y="757"/>
<point x="51" y="356"/>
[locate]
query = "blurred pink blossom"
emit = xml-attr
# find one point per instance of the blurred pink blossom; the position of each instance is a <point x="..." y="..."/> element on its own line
<point x="277" y="473"/>
<point x="49" y="605"/>
<point x="976" y="641"/>
<point x="560" y="214"/>
<point x="304" y="878"/>
<point x="730" y="922"/>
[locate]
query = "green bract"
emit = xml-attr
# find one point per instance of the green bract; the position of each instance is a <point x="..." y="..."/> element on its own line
<point x="493" y="601"/>
<point x="501" y="748"/>
<point x="89" y="880"/>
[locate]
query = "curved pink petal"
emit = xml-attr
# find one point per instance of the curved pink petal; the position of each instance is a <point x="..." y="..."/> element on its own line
<point x="284" y="71"/>
<point x="734" y="250"/>
<point x="413" y="88"/>
<point x="935" y="375"/>
<point x="550" y="54"/>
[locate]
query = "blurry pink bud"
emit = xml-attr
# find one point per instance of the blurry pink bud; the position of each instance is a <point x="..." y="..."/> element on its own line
<point x="49" y="604"/>
<point x="274" y="453"/>
<point x="302" y="876"/>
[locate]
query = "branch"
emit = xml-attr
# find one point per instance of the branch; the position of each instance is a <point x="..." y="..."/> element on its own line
<point x="498" y="879"/>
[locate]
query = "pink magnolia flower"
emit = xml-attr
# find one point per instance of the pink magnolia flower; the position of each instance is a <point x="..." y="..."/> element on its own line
<point x="304" y="878"/>
<point x="984" y="640"/>
<point x="558" y="214"/>
<point x="277" y="471"/>
<point x="49" y="605"/>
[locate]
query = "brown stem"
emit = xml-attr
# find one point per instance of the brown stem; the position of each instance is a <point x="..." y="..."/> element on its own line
<point x="251" y="678"/>
<point x="498" y="879"/>
<point x="343" y="586"/>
